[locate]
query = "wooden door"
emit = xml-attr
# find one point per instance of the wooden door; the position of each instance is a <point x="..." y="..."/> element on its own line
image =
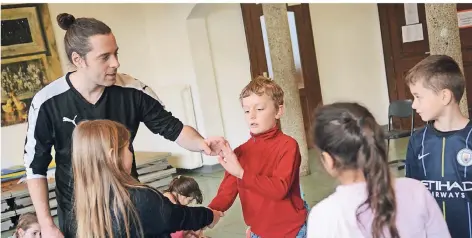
<point x="305" y="56"/>
<point x="400" y="56"/>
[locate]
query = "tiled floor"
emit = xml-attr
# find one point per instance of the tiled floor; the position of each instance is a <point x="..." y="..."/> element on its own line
<point x="316" y="186"/>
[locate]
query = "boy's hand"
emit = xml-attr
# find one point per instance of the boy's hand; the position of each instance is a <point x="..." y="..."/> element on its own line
<point x="229" y="161"/>
<point x="194" y="234"/>
<point x="212" y="145"/>
<point x="191" y="234"/>
<point x="216" y="218"/>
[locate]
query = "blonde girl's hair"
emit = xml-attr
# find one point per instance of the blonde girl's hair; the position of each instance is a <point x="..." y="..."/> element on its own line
<point x="101" y="181"/>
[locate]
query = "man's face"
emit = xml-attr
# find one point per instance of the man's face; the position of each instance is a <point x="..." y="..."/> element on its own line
<point x="101" y="63"/>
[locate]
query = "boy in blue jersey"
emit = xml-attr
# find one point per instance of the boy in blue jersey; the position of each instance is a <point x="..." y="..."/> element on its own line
<point x="440" y="154"/>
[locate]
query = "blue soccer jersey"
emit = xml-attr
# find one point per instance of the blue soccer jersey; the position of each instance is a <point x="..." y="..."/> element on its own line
<point x="442" y="161"/>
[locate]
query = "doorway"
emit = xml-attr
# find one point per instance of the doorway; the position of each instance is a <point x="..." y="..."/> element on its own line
<point x="303" y="49"/>
<point x="401" y="56"/>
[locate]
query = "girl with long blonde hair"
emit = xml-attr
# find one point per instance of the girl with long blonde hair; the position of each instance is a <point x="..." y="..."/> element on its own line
<point x="109" y="202"/>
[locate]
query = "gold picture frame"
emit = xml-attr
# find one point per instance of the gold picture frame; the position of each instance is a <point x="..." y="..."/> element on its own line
<point x="22" y="23"/>
<point x="28" y="64"/>
<point x="22" y="78"/>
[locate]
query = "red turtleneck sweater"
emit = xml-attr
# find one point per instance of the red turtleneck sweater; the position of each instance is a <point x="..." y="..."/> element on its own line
<point x="270" y="188"/>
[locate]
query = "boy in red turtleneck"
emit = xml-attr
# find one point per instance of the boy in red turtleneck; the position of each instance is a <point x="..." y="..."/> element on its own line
<point x="264" y="171"/>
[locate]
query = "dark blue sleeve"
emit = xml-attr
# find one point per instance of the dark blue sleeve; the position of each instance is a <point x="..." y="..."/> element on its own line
<point x="159" y="216"/>
<point x="411" y="159"/>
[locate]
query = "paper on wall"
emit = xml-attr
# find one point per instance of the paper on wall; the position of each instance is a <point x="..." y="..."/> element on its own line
<point x="412" y="33"/>
<point x="465" y="18"/>
<point x="411" y="13"/>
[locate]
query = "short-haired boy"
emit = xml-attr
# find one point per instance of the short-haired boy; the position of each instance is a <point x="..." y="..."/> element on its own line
<point x="264" y="171"/>
<point x="440" y="154"/>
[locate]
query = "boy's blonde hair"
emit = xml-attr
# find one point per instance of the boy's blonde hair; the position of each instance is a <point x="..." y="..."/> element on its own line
<point x="438" y="72"/>
<point x="261" y="85"/>
<point x="98" y="175"/>
<point x="24" y="222"/>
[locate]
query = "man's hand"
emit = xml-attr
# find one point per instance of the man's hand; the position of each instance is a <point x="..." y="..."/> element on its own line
<point x="216" y="218"/>
<point x="213" y="145"/>
<point x="51" y="231"/>
<point x="228" y="159"/>
<point x="191" y="140"/>
<point x="38" y="189"/>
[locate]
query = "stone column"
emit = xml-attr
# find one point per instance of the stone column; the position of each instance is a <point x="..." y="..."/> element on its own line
<point x="283" y="68"/>
<point x="444" y="38"/>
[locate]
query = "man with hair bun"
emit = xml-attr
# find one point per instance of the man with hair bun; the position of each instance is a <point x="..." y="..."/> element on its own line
<point x="95" y="90"/>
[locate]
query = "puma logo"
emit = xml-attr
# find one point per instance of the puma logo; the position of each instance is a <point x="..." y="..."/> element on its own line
<point x="422" y="156"/>
<point x="65" y="119"/>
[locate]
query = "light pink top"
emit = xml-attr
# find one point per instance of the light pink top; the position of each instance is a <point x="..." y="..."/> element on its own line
<point x="418" y="214"/>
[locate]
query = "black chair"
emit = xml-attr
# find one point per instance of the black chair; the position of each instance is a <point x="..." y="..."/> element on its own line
<point x="399" y="109"/>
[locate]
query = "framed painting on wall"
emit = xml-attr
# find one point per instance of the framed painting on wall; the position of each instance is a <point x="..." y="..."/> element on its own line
<point x="21" y="32"/>
<point x="22" y="78"/>
<point x="30" y="59"/>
